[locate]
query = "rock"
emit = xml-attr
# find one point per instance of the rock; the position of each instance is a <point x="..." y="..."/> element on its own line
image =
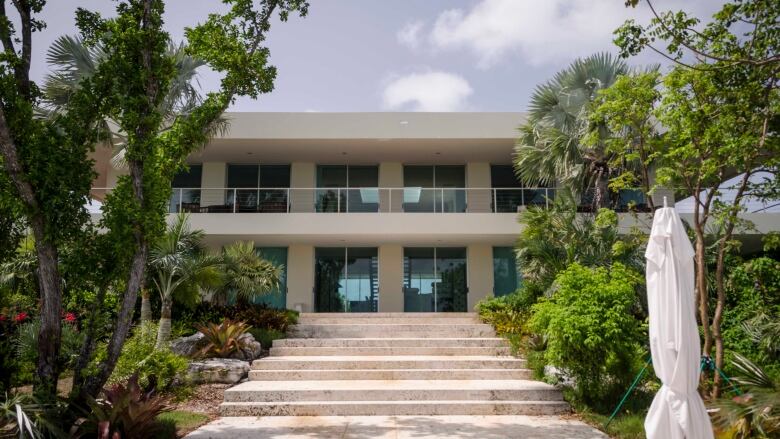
<point x="250" y="348"/>
<point x="218" y="370"/>
<point x="189" y="346"/>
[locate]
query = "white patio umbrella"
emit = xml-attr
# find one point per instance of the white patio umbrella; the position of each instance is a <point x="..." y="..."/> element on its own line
<point x="677" y="411"/>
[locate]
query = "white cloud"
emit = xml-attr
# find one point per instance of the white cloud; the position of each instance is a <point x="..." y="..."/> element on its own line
<point x="430" y="91"/>
<point x="542" y="32"/>
<point x="409" y="35"/>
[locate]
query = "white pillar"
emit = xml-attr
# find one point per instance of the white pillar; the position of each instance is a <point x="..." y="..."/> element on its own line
<point x="391" y="278"/>
<point x="212" y="181"/>
<point x="478" y="176"/>
<point x="300" y="277"/>
<point x="302" y="175"/>
<point x="479" y="261"/>
<point x="391" y="175"/>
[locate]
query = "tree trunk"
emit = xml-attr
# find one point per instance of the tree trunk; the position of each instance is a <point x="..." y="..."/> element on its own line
<point x="48" y="270"/>
<point x="701" y="290"/>
<point x="146" y="306"/>
<point x="164" y="329"/>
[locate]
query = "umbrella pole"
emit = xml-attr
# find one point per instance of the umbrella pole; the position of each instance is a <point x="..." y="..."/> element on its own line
<point x="628" y="392"/>
<point x="707" y="363"/>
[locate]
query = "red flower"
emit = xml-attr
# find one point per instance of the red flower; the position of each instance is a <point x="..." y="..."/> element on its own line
<point x="3" y="317"/>
<point x="70" y="317"/>
<point x="22" y="316"/>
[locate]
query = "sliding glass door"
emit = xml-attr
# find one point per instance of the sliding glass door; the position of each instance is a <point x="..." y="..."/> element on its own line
<point x="342" y="188"/>
<point x="346" y="280"/>
<point x="435" y="279"/>
<point x="434" y="188"/>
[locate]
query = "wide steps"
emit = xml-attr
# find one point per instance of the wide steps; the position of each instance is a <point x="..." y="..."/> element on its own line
<point x="391" y="330"/>
<point x="386" y="351"/>
<point x="387" y="362"/>
<point x="391" y="364"/>
<point x="394" y="408"/>
<point x="390" y="374"/>
<point x="390" y="390"/>
<point x="388" y="342"/>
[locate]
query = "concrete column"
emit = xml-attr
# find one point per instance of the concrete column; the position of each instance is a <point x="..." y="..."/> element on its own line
<point x="300" y="277"/>
<point x="214" y="175"/>
<point x="391" y="278"/>
<point x="391" y="175"/>
<point x="479" y="264"/>
<point x="302" y="175"/>
<point x="478" y="176"/>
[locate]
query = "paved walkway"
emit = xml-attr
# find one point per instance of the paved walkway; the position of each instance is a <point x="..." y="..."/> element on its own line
<point x="396" y="427"/>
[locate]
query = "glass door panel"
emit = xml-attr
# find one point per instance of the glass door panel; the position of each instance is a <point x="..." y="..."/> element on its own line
<point x="346" y="280"/>
<point x="362" y="195"/>
<point x="418" y="192"/>
<point x="450" y="196"/>
<point x="329" y="277"/>
<point x="362" y="285"/>
<point x="451" y="290"/>
<point x="328" y="197"/>
<point x="506" y="276"/>
<point x="419" y="279"/>
<point x="245" y="179"/>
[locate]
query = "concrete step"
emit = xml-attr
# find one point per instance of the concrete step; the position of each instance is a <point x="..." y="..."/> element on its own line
<point x="401" y="390"/>
<point x="390" y="374"/>
<point x="387" y="362"/>
<point x="342" y="316"/>
<point x="326" y="320"/>
<point x="394" y="408"/>
<point x="391" y="331"/>
<point x="388" y="342"/>
<point x="400" y="350"/>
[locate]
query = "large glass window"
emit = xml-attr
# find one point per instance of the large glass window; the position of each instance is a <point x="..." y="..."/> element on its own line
<point x="258" y="188"/>
<point x="506" y="277"/>
<point x="343" y="188"/>
<point x="510" y="194"/>
<point x="434" y="188"/>
<point x="435" y="279"/>
<point x="186" y="190"/>
<point x="346" y="280"/>
<point x="278" y="297"/>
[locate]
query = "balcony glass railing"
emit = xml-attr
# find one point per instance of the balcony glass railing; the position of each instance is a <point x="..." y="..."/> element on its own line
<point x="371" y="200"/>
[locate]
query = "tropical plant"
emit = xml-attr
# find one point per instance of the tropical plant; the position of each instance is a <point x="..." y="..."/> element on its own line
<point x="26" y="343"/>
<point x="125" y="411"/>
<point x="590" y="328"/>
<point x="507" y="314"/>
<point x="23" y="417"/>
<point x="755" y="413"/>
<point x="139" y="357"/>
<point x="18" y="273"/>
<point x="222" y="338"/>
<point x="246" y="274"/>
<point x="554" y="238"/>
<point x="550" y="148"/>
<point x="74" y="61"/>
<point x="180" y="264"/>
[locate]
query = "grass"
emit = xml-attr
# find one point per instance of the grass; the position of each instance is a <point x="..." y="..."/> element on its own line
<point x="179" y="422"/>
<point x="624" y="426"/>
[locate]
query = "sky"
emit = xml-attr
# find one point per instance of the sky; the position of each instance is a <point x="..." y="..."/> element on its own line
<point x="408" y="55"/>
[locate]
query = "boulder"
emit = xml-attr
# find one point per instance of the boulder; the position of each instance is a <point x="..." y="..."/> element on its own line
<point x="250" y="348"/>
<point x="189" y="346"/>
<point x="218" y="370"/>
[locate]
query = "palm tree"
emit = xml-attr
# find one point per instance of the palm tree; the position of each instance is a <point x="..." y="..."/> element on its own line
<point x="246" y="274"/>
<point x="180" y="264"/>
<point x="18" y="273"/>
<point x="550" y="148"/>
<point x="73" y="61"/>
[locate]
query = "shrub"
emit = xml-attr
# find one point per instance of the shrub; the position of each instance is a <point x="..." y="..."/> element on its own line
<point x="508" y="314"/>
<point x="590" y="330"/>
<point x="26" y="343"/>
<point x="222" y="338"/>
<point x="266" y="337"/>
<point x="125" y="411"/>
<point x="255" y="315"/>
<point x="140" y="357"/>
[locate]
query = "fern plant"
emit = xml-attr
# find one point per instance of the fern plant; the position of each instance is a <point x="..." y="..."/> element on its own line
<point x="223" y="338"/>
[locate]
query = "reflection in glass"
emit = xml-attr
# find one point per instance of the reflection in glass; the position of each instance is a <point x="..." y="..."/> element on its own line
<point x="435" y="280"/>
<point x="346" y="280"/>
<point x="434" y="188"/>
<point x="185" y="190"/>
<point x="278" y="297"/>
<point x="342" y="188"/>
<point x="506" y="276"/>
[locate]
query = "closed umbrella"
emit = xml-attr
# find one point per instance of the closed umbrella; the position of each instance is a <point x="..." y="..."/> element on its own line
<point x="677" y="411"/>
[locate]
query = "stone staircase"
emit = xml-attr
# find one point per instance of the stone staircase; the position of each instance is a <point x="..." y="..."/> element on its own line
<point x="391" y="364"/>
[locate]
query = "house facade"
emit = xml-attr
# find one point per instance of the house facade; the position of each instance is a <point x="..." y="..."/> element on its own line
<point x="366" y="212"/>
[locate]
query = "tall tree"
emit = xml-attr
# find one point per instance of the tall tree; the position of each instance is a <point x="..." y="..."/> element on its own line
<point x="550" y="148"/>
<point x="140" y="75"/>
<point x="46" y="166"/>
<point x="720" y="109"/>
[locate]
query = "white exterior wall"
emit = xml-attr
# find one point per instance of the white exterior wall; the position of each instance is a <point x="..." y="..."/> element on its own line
<point x="214" y="175"/>
<point x="478" y="176"/>
<point x="302" y="175"/>
<point x="300" y="277"/>
<point x="391" y="278"/>
<point x="479" y="267"/>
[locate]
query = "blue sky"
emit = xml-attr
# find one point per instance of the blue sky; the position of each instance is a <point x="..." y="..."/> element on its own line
<point x="409" y="55"/>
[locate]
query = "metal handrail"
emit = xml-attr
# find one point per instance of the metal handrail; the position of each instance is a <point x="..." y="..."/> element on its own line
<point x="512" y="198"/>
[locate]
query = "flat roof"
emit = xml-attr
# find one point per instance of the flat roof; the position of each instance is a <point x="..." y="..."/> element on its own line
<point x="377" y="126"/>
